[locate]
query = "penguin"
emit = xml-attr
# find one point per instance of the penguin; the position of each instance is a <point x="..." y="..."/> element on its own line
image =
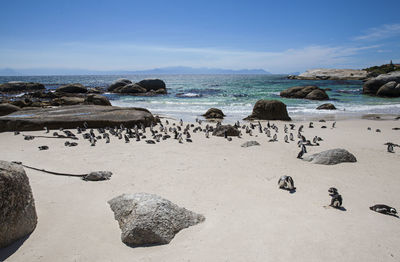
<point x="73" y="144"/>
<point x="334" y="124"/>
<point x="286" y="139"/>
<point x="285" y="129"/>
<point x="46" y="129"/>
<point x="268" y="133"/>
<point x="291" y="137"/>
<point x="181" y="122"/>
<point x="368" y="128"/>
<point x="292" y="126"/>
<point x="225" y="134"/>
<point x="301" y="128"/>
<point x="311" y="125"/>
<point x="286" y="182"/>
<point x="384" y="209"/>
<point x="150" y="142"/>
<point x="336" y="200"/>
<point x="107" y="139"/>
<point x="229" y="139"/>
<point x="92" y="141"/>
<point x="29" y="137"/>
<point x="390" y="146"/>
<point x="378" y="130"/>
<point x="16" y="133"/>
<point x="126" y="138"/>
<point x="85" y="125"/>
<point x="43" y="147"/>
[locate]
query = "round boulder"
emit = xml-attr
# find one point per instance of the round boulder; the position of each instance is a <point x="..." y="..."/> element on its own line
<point x="119" y="83"/>
<point x="152" y="84"/>
<point x="95" y="99"/>
<point x="327" y="106"/>
<point x="214" y="113"/>
<point x="390" y="89"/>
<point x="307" y="92"/>
<point x="147" y="219"/>
<point x="374" y="84"/>
<point x="72" y="88"/>
<point x="317" y="94"/>
<point x="18" y="214"/>
<point x="6" y="109"/>
<point x="269" y="110"/>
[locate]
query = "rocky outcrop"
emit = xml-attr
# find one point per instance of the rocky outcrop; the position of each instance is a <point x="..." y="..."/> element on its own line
<point x="17" y="206"/>
<point x="17" y="87"/>
<point x="372" y="86"/>
<point x="327" y="106"/>
<point x="228" y="129"/>
<point x="306" y="92"/>
<point x="72" y="88"/>
<point x="95" y="99"/>
<point x="73" y="116"/>
<point x="147" y="219"/>
<point x="331" y="74"/>
<point x="213" y="113"/>
<point x="269" y="110"/>
<point x="331" y="157"/>
<point x="6" y="109"/>
<point x="145" y="87"/>
<point x="390" y="89"/>
<point x="67" y="101"/>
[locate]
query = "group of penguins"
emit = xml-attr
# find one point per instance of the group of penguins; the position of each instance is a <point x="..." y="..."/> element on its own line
<point x="181" y="132"/>
<point x="287" y="183"/>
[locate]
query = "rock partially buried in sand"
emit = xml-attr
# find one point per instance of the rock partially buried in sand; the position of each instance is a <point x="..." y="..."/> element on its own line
<point x="230" y="131"/>
<point x="17" y="207"/>
<point x="147" y="219"/>
<point x="269" y="110"/>
<point x="214" y="113"/>
<point x="331" y="157"/>
<point x="98" y="176"/>
<point x="250" y="143"/>
<point x="327" y="106"/>
<point x="73" y="116"/>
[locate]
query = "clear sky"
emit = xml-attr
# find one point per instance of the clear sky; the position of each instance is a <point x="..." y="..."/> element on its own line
<point x="278" y="36"/>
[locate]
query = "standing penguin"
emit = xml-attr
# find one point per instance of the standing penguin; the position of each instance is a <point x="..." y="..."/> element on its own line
<point x="336" y="200"/>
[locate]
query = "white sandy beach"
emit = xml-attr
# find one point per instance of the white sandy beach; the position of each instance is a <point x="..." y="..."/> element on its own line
<point x="247" y="217"/>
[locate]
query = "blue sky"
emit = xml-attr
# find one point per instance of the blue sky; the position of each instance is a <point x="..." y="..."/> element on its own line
<point x="278" y="36"/>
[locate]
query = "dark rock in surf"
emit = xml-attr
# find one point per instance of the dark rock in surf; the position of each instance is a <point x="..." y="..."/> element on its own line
<point x="327" y="106"/>
<point x="72" y="88"/>
<point x="214" y="113"/>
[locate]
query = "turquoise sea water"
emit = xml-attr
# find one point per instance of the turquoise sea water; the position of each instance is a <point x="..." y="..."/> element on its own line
<point x="191" y="95"/>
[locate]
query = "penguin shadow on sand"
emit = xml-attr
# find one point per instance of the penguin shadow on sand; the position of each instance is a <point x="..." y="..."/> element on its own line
<point x="286" y="183"/>
<point x="336" y="200"/>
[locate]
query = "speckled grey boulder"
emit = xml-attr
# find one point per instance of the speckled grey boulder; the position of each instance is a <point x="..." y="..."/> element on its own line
<point x="17" y="207"/>
<point x="331" y="157"/>
<point x="250" y="143"/>
<point x="148" y="219"/>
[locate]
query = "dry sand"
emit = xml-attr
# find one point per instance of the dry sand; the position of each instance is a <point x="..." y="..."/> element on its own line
<point x="247" y="217"/>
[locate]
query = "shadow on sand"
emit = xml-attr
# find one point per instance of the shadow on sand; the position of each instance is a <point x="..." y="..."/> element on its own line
<point x="9" y="250"/>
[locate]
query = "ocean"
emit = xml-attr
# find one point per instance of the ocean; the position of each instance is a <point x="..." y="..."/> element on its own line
<point x="189" y="96"/>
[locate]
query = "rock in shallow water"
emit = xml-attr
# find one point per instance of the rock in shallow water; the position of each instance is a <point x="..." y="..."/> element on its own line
<point x="17" y="207"/>
<point x="331" y="157"/>
<point x="147" y="219"/>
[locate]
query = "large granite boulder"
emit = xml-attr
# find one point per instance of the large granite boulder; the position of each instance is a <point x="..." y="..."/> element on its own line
<point x="372" y="86"/>
<point x="74" y="116"/>
<point x="152" y="84"/>
<point x="119" y="83"/>
<point x="230" y="131"/>
<point x="17" y="86"/>
<point x="331" y="157"/>
<point x="95" y="99"/>
<point x="6" y="109"/>
<point x="306" y="92"/>
<point x="390" y="89"/>
<point x="72" y="88"/>
<point x="269" y="110"/>
<point x="214" y="113"/>
<point x="17" y="207"/>
<point x="327" y="106"/>
<point x="332" y="74"/>
<point x="147" y="219"/>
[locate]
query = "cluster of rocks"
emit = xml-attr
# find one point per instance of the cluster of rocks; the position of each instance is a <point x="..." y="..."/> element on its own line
<point x="385" y="85"/>
<point x="306" y="92"/>
<point x="331" y="74"/>
<point x="147" y="87"/>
